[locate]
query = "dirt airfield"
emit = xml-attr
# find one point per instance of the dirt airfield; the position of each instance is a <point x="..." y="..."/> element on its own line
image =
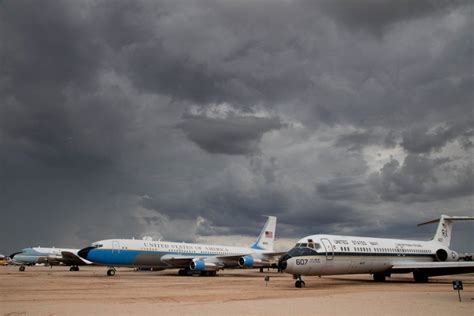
<point x="57" y="291"/>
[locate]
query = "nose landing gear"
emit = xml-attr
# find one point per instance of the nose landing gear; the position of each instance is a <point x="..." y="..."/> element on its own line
<point x="111" y="271"/>
<point x="299" y="282"/>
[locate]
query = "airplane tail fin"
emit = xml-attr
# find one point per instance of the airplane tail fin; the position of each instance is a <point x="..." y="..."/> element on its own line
<point x="444" y="230"/>
<point x="267" y="235"/>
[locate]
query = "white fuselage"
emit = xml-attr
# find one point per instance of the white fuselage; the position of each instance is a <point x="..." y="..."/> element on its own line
<point x="332" y="254"/>
<point x="147" y="253"/>
<point x="41" y="255"/>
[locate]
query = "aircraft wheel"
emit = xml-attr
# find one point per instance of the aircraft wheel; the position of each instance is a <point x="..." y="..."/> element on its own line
<point x="379" y="277"/>
<point x="21" y="268"/>
<point x="71" y="269"/>
<point x="110" y="272"/>
<point x="420" y="277"/>
<point x="299" y="284"/>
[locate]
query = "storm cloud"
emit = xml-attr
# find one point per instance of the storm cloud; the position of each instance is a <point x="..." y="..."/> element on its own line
<point x="190" y="120"/>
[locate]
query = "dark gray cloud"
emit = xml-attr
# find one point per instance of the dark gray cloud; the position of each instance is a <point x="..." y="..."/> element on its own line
<point x="358" y="140"/>
<point x="230" y="135"/>
<point x="122" y="119"/>
<point x="421" y="178"/>
<point x="422" y="140"/>
<point x="377" y="15"/>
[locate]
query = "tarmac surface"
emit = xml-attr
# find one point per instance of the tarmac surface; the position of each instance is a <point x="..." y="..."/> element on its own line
<point x="57" y="291"/>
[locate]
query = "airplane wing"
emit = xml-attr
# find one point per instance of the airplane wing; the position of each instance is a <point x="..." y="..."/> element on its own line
<point x="264" y="259"/>
<point x="228" y="261"/>
<point x="435" y="268"/>
<point x="179" y="261"/>
<point x="265" y="256"/>
<point x="71" y="259"/>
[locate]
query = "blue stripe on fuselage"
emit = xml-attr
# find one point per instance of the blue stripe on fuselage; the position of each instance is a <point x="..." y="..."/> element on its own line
<point x="113" y="257"/>
<point x="121" y="257"/>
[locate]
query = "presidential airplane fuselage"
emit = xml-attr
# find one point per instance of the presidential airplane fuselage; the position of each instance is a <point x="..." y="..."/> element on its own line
<point x="188" y="257"/>
<point x="333" y="254"/>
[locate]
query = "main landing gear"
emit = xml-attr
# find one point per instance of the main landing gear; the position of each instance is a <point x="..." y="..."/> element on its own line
<point x="185" y="272"/>
<point x="379" y="277"/>
<point x="188" y="272"/>
<point x="111" y="271"/>
<point x="21" y="268"/>
<point x="299" y="282"/>
<point x="208" y="273"/>
<point x="74" y="268"/>
<point x="420" y="277"/>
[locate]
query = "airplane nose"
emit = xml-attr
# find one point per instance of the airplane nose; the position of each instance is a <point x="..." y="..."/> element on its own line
<point x="83" y="253"/>
<point x="282" y="263"/>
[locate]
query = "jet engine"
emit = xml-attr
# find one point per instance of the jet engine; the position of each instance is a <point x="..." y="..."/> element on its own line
<point x="441" y="255"/>
<point x="201" y="265"/>
<point x="250" y="262"/>
<point x="446" y="255"/>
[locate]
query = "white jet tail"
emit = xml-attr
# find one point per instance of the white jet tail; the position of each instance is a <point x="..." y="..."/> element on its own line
<point x="445" y="227"/>
<point x="267" y="235"/>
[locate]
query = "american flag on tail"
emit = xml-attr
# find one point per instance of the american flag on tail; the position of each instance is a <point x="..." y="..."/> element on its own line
<point x="268" y="234"/>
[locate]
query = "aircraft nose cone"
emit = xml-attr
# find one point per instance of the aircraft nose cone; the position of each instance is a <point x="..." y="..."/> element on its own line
<point x="282" y="263"/>
<point x="83" y="253"/>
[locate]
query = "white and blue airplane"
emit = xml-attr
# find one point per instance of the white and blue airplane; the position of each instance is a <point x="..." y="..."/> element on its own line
<point x="190" y="258"/>
<point x="381" y="257"/>
<point x="49" y="256"/>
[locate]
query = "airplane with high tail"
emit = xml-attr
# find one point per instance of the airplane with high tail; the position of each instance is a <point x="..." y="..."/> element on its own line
<point x="49" y="256"/>
<point x="331" y="255"/>
<point x="189" y="258"/>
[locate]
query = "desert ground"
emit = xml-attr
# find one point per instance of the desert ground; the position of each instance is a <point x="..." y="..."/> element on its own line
<point x="57" y="291"/>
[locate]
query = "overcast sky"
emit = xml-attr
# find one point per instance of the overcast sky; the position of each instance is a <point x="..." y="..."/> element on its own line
<point x="188" y="120"/>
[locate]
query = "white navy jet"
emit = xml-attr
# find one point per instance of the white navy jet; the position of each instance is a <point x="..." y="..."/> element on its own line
<point x="381" y="257"/>
<point x="48" y="256"/>
<point x="189" y="258"/>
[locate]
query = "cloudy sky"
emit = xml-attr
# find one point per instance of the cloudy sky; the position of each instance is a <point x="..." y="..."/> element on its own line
<point x="188" y="120"/>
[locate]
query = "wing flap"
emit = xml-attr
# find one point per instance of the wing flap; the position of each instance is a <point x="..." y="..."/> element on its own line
<point x="434" y="268"/>
<point x="178" y="261"/>
<point x="71" y="259"/>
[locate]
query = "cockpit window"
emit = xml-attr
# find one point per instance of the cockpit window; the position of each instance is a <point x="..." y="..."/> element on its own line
<point x="303" y="245"/>
<point x="314" y="245"/>
<point x="301" y="251"/>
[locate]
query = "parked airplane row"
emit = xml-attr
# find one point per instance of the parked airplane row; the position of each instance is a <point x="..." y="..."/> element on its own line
<point x="312" y="255"/>
<point x="189" y="258"/>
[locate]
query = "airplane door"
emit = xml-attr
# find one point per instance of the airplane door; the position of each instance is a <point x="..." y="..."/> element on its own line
<point x="329" y="249"/>
<point x="115" y="246"/>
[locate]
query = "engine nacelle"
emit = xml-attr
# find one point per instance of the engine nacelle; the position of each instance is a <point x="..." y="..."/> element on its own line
<point x="441" y="255"/>
<point x="201" y="265"/>
<point x="250" y="262"/>
<point x="246" y="261"/>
